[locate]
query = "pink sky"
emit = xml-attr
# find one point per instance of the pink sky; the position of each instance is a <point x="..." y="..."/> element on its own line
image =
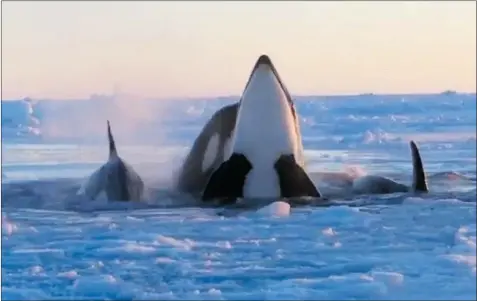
<point x="175" y="49"/>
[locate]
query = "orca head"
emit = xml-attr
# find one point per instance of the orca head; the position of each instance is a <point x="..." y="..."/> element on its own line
<point x="266" y="118"/>
<point x="265" y="157"/>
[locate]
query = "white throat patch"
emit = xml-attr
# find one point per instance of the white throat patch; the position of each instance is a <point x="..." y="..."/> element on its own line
<point x="265" y="130"/>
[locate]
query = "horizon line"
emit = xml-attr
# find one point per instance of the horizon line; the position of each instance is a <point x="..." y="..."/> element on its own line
<point x="199" y="97"/>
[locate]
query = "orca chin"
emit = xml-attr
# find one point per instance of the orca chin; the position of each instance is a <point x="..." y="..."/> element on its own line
<point x="265" y="157"/>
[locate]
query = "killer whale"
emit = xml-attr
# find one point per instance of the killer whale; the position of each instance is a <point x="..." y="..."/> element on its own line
<point x="116" y="178"/>
<point x="374" y="184"/>
<point x="207" y="151"/>
<point x="265" y="156"/>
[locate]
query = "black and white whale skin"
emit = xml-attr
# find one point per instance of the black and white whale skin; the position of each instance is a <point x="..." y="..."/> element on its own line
<point x="208" y="151"/>
<point x="265" y="156"/>
<point x="374" y="184"/>
<point x="116" y="178"/>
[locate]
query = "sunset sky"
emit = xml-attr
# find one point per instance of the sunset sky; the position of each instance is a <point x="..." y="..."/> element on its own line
<point x="175" y="49"/>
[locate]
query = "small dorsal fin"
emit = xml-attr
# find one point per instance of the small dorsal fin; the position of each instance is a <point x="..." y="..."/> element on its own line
<point x="112" y="145"/>
<point x="419" y="181"/>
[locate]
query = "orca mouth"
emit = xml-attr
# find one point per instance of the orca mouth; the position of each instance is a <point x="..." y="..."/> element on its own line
<point x="265" y="60"/>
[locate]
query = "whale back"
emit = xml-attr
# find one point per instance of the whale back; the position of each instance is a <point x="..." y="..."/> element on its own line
<point x="194" y="172"/>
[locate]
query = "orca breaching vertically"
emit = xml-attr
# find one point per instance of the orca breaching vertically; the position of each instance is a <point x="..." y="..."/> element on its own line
<point x="260" y="146"/>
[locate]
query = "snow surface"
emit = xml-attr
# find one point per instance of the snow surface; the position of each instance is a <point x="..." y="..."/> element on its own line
<point x="399" y="246"/>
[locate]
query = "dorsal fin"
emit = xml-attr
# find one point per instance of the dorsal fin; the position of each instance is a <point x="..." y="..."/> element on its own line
<point x="112" y="146"/>
<point x="419" y="181"/>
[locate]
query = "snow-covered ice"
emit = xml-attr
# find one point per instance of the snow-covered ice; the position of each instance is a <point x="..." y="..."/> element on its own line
<point x="399" y="246"/>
